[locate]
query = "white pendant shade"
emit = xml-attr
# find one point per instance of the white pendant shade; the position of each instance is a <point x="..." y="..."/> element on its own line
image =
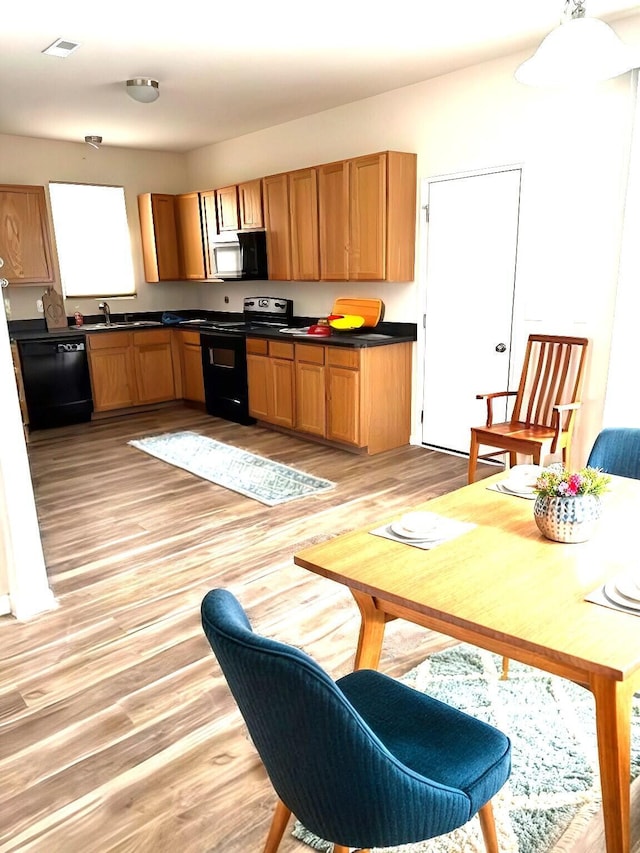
<point x="580" y="50"/>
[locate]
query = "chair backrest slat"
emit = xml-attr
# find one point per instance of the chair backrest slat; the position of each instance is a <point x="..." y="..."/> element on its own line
<point x="552" y="374"/>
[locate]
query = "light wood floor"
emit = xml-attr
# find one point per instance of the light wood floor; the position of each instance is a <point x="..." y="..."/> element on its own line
<point x="118" y="731"/>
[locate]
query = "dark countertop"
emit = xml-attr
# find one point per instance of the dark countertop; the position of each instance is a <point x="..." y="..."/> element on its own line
<point x="383" y="334"/>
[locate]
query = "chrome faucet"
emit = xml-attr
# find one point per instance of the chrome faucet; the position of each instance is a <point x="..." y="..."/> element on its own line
<point x="104" y="306"/>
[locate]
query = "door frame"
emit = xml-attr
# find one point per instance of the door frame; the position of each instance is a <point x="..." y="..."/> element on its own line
<point x="517" y="323"/>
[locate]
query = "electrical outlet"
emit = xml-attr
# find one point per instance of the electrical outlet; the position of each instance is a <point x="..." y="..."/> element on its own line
<point x="226" y="300"/>
<point x="39" y="306"/>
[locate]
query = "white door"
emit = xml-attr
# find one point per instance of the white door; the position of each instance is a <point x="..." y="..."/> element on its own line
<point x="471" y="262"/>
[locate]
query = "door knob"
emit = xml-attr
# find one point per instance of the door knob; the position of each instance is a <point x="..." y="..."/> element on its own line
<point x="501" y="348"/>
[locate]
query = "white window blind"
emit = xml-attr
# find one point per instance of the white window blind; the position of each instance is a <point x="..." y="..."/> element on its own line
<point x="92" y="238"/>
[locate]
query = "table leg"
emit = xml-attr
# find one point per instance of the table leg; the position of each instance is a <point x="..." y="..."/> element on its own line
<point x="613" y="725"/>
<point x="371" y="632"/>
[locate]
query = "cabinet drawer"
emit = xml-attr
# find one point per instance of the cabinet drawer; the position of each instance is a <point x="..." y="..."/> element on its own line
<point x="107" y="340"/>
<point x="257" y="346"/>
<point x="343" y="357"/>
<point x="280" y="349"/>
<point x="310" y="353"/>
<point x="154" y="336"/>
<point x="190" y="338"/>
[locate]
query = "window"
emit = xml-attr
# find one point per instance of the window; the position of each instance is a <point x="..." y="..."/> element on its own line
<point x="92" y="237"/>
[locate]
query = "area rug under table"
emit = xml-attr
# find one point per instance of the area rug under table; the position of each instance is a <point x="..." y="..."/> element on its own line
<point x="256" y="477"/>
<point x="553" y="791"/>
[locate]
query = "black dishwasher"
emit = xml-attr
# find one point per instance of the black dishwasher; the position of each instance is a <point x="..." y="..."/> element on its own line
<point x="57" y="387"/>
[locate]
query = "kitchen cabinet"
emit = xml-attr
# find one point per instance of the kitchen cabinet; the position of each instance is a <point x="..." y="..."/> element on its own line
<point x="153" y="365"/>
<point x="303" y="212"/>
<point x="227" y="208"/>
<point x="25" y="242"/>
<point x="358" y="399"/>
<point x="367" y="216"/>
<point x="190" y="359"/>
<point x="130" y="368"/>
<point x="160" y="249"/>
<point x="270" y="372"/>
<point x="17" y="369"/>
<point x="311" y="398"/>
<point x="275" y="195"/>
<point x="250" y="212"/>
<point x="196" y="227"/>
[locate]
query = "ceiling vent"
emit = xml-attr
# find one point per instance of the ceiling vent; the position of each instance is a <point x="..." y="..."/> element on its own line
<point x="61" y="47"/>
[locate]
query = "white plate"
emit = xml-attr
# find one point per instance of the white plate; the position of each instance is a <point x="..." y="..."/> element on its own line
<point x="627" y="586"/>
<point x="417" y="525"/>
<point x="614" y="596"/>
<point x="517" y="488"/>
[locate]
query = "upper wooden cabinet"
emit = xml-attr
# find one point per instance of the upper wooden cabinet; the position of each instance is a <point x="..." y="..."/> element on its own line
<point x="275" y="193"/>
<point x="240" y="207"/>
<point x="25" y="243"/>
<point x="227" y="207"/>
<point x="367" y="218"/>
<point x="303" y="210"/>
<point x="250" y="204"/>
<point x="196" y="227"/>
<point x="160" y="252"/>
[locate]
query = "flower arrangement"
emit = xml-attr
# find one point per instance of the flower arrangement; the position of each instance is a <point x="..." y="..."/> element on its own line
<point x="564" y="484"/>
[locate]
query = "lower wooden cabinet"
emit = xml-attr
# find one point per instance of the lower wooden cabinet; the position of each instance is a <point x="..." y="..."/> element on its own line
<point x="190" y="357"/>
<point x="355" y="398"/>
<point x="130" y="368"/>
<point x="270" y="371"/>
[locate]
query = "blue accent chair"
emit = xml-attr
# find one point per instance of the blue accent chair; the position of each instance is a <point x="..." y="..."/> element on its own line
<point x="364" y="761"/>
<point x="617" y="451"/>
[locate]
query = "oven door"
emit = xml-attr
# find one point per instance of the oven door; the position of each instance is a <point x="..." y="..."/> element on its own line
<point x="224" y="368"/>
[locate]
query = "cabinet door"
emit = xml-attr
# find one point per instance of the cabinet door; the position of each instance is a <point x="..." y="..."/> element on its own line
<point x="333" y="221"/>
<point x="227" y="207"/>
<point x="367" y="218"/>
<point x="190" y="236"/>
<point x="282" y="410"/>
<point x="250" y="204"/>
<point x="275" y="191"/>
<point x="192" y="379"/>
<point x="111" y="368"/>
<point x="24" y="235"/>
<point x="311" y="404"/>
<point x="160" y="253"/>
<point x="303" y="201"/>
<point x="343" y="416"/>
<point x="209" y="230"/>
<point x="258" y="382"/>
<point x="153" y="364"/>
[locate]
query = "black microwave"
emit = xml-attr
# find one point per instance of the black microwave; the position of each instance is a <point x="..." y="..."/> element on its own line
<point x="241" y="256"/>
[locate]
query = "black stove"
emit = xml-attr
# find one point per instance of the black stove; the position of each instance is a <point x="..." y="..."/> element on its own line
<point x="224" y="357"/>
<point x="259" y="312"/>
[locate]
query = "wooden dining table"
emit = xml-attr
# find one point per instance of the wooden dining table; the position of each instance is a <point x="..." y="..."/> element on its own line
<point x="502" y="586"/>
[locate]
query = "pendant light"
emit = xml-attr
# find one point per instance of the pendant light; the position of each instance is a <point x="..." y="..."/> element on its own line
<point x="580" y="50"/>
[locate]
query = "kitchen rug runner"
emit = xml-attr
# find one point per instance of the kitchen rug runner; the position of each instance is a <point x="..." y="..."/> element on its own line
<point x="257" y="477"/>
<point x="554" y="788"/>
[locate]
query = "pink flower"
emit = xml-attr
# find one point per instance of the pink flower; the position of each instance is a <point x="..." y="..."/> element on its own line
<point x="574" y="484"/>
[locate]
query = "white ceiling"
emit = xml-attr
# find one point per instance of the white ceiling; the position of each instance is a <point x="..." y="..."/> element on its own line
<point x="229" y="68"/>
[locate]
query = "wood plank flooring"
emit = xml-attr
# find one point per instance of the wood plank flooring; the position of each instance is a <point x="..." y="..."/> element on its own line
<point x="118" y="731"/>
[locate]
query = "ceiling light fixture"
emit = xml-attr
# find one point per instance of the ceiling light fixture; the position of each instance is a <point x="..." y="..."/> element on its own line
<point x="580" y="50"/>
<point x="93" y="141"/>
<point x="143" y="89"/>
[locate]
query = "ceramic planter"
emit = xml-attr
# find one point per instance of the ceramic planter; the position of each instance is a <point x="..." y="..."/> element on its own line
<point x="567" y="519"/>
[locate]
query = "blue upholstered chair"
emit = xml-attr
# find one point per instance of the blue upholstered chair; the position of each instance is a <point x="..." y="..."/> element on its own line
<point x="617" y="451"/>
<point x="363" y="762"/>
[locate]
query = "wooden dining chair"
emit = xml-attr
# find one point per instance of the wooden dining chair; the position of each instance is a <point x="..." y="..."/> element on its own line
<point x="364" y="761"/>
<point x="545" y="407"/>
